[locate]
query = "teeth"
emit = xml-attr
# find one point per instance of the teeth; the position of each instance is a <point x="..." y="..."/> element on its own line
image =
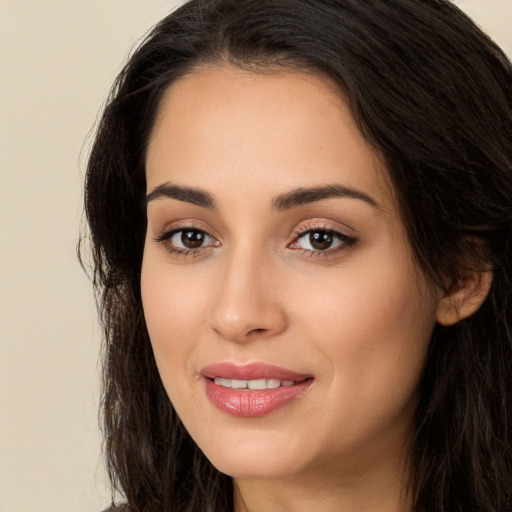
<point x="252" y="384"/>
<point x="223" y="382"/>
<point x="273" y="383"/>
<point x="257" y="384"/>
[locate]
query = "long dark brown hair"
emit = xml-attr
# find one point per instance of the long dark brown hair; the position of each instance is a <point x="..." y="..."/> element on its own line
<point x="433" y="95"/>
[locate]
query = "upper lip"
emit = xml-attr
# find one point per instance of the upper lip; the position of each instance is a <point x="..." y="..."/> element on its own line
<point x="252" y="371"/>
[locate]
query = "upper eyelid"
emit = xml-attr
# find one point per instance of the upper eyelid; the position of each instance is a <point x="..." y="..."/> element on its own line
<point x="309" y="229"/>
<point x="183" y="225"/>
<point x="334" y="232"/>
<point x="321" y="225"/>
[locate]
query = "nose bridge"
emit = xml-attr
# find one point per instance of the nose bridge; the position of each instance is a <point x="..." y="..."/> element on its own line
<point x="247" y="304"/>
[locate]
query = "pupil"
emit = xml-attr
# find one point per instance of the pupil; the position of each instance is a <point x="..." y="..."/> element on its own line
<point x="192" y="239"/>
<point x="320" y="240"/>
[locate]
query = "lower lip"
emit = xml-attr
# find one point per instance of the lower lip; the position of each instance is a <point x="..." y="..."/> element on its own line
<point x="248" y="403"/>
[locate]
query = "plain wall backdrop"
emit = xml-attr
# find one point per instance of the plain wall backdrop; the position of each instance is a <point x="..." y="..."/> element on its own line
<point x="58" y="59"/>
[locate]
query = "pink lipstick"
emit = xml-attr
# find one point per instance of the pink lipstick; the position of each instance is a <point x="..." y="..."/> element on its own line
<point x="252" y="390"/>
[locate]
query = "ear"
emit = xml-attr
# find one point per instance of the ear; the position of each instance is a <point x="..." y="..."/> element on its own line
<point x="465" y="296"/>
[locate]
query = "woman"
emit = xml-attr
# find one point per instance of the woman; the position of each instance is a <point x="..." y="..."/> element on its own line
<point x="300" y="217"/>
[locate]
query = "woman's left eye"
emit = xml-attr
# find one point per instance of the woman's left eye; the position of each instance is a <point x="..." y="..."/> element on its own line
<point x="322" y="241"/>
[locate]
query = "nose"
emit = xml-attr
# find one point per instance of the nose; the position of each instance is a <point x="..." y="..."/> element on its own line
<point x="249" y="305"/>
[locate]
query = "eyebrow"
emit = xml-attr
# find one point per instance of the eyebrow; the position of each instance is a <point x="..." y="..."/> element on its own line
<point x="186" y="194"/>
<point x="287" y="201"/>
<point x="301" y="196"/>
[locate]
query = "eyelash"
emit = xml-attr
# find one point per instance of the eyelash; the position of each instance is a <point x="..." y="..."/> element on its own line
<point x="345" y="241"/>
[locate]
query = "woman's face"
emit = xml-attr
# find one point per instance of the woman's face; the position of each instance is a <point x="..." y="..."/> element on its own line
<point x="288" y="319"/>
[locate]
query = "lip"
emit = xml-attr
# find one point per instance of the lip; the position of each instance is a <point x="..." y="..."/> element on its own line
<point x="251" y="371"/>
<point x="253" y="403"/>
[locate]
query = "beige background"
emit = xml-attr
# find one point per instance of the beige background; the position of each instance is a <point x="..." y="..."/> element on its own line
<point x="57" y="61"/>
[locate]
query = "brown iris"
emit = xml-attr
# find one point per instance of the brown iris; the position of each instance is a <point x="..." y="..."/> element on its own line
<point x="192" y="239"/>
<point x="321" y="240"/>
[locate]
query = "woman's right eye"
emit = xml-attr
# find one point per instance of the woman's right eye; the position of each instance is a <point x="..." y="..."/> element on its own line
<point x="184" y="240"/>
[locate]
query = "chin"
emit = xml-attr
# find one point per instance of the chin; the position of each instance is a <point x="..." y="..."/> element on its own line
<point x="261" y="468"/>
<point x="252" y="459"/>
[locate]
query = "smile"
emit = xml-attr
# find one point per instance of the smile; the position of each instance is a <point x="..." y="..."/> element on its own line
<point x="253" y="390"/>
<point x="253" y="384"/>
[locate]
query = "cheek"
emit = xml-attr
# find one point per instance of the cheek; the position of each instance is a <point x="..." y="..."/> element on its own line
<point x="371" y="337"/>
<point x="373" y="326"/>
<point x="166" y="307"/>
<point x="172" y="309"/>
<point x="365" y="302"/>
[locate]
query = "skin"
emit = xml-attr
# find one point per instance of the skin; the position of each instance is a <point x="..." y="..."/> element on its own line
<point x="357" y="317"/>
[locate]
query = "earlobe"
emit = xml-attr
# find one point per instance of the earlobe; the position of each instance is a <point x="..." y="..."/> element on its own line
<point x="464" y="297"/>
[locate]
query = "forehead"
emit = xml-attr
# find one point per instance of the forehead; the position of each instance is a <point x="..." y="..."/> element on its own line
<point x="226" y="126"/>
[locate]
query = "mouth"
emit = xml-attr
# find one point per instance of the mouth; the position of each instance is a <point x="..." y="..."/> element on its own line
<point x="253" y="390"/>
<point x="253" y="384"/>
<point x="252" y="372"/>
